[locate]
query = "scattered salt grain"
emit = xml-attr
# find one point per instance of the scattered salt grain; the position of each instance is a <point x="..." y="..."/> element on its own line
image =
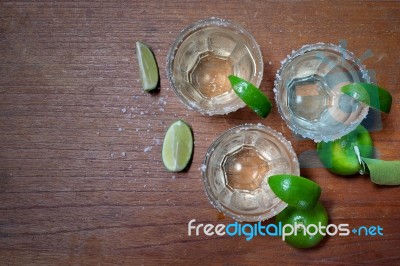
<point x="162" y="101"/>
<point x="123" y="110"/>
<point x="148" y="148"/>
<point x="123" y="153"/>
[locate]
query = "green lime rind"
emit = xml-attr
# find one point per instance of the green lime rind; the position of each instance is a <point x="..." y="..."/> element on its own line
<point x="251" y="95"/>
<point x="383" y="172"/>
<point x="148" y="69"/>
<point x="177" y="147"/>
<point x="317" y="216"/>
<point x="339" y="157"/>
<point x="370" y="94"/>
<point x="296" y="191"/>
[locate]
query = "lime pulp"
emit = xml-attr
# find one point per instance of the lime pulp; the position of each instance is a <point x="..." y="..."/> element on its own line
<point x="177" y="146"/>
<point x="148" y="69"/>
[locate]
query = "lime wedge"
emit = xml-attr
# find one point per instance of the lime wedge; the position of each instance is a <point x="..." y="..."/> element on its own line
<point x="370" y="94"/>
<point x="148" y="69"/>
<point x="251" y="95"/>
<point x="296" y="191"/>
<point x="177" y="147"/>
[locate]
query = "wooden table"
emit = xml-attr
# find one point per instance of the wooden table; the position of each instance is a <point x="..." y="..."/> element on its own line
<point x="81" y="175"/>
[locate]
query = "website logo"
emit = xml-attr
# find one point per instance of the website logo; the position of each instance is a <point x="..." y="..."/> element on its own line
<point x="249" y="231"/>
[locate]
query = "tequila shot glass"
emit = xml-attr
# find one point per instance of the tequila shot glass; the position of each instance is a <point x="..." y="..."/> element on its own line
<point x="308" y="96"/>
<point x="236" y="168"/>
<point x="202" y="58"/>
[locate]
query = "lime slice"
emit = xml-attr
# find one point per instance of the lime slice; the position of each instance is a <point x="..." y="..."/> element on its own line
<point x="296" y="191"/>
<point x="370" y="94"/>
<point x="148" y="69"/>
<point x="177" y="147"/>
<point x="251" y="95"/>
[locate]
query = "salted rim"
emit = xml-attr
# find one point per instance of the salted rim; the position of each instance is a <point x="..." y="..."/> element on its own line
<point x="346" y="55"/>
<point x="215" y="202"/>
<point x="179" y="40"/>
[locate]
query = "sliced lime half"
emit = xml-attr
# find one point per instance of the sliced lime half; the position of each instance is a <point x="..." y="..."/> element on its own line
<point x="251" y="95"/>
<point x="148" y="69"/>
<point x="177" y="146"/>
<point x="370" y="94"/>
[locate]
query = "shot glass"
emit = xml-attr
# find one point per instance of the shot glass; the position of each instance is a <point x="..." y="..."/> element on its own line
<point x="308" y="96"/>
<point x="202" y="58"/>
<point x="236" y="168"/>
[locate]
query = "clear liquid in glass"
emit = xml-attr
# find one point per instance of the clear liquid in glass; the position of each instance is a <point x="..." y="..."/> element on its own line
<point x="237" y="167"/>
<point x="308" y="92"/>
<point x="203" y="57"/>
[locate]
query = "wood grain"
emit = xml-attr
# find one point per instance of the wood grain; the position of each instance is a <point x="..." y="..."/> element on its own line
<point x="76" y="185"/>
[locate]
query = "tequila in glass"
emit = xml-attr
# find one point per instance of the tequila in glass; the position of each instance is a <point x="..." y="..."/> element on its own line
<point x="236" y="169"/>
<point x="307" y="92"/>
<point x="202" y="58"/>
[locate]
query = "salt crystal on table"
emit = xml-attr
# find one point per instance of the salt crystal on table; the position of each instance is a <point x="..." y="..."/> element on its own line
<point x="123" y="110"/>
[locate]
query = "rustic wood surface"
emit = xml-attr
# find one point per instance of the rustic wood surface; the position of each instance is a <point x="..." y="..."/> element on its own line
<point x="81" y="176"/>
